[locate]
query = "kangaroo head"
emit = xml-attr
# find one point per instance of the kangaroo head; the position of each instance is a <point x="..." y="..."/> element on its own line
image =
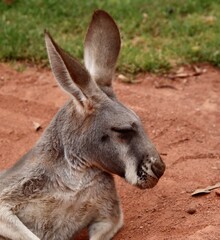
<point x="108" y="135"/>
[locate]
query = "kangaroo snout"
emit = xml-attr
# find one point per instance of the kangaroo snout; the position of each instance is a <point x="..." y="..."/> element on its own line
<point x="149" y="171"/>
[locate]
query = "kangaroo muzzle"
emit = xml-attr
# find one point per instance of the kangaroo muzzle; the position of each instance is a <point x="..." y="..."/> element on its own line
<point x="149" y="172"/>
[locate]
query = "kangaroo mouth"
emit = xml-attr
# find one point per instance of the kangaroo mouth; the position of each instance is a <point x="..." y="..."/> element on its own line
<point x="146" y="176"/>
<point x="146" y="180"/>
<point x="149" y="173"/>
<point x="149" y="182"/>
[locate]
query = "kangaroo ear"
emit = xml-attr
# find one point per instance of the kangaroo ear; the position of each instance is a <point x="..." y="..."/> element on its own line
<point x="69" y="73"/>
<point x="102" y="46"/>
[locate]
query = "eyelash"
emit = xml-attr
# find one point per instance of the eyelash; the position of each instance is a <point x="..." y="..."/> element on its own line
<point x="124" y="133"/>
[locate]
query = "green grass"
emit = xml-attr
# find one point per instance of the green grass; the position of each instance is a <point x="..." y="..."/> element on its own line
<point x="156" y="34"/>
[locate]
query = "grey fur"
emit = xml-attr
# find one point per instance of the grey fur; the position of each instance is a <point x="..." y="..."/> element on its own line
<point x="64" y="183"/>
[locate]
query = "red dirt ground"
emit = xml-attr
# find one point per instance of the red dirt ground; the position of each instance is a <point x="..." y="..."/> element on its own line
<point x="181" y="116"/>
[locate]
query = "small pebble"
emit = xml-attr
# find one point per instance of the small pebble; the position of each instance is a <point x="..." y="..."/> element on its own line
<point x="191" y="210"/>
<point x="37" y="126"/>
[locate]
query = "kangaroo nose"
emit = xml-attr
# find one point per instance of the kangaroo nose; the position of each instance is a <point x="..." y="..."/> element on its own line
<point x="158" y="168"/>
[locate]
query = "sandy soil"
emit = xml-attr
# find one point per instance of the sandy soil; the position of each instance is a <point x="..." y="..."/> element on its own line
<point x="181" y="116"/>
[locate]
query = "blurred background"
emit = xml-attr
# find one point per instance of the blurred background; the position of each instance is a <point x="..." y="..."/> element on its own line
<point x="157" y="34"/>
<point x="179" y="40"/>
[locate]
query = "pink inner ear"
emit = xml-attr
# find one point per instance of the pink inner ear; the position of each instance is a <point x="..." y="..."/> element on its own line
<point x="102" y="46"/>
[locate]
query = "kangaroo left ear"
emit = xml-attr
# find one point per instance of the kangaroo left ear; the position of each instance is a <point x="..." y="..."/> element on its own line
<point x="69" y="73"/>
<point x="101" y="48"/>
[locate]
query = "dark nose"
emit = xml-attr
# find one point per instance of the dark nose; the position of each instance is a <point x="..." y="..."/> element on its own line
<point x="158" y="168"/>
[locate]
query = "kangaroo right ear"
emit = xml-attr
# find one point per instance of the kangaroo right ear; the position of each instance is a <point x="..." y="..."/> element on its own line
<point x="102" y="46"/>
<point x="69" y="73"/>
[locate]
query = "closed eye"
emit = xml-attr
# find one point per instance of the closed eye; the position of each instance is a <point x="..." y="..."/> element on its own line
<point x="122" y="130"/>
<point x="124" y="133"/>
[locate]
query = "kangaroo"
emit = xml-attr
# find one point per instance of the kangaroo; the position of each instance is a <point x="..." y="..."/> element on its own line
<point x="65" y="182"/>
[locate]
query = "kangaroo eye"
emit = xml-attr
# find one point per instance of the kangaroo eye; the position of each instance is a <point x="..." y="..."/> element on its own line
<point x="123" y="130"/>
<point x="124" y="133"/>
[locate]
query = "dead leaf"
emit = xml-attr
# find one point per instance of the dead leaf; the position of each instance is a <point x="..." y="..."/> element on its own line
<point x="122" y="77"/>
<point x="165" y="86"/>
<point x="129" y="79"/>
<point x="200" y="191"/>
<point x="37" y="126"/>
<point x="198" y="70"/>
<point x="180" y="70"/>
<point x="182" y="75"/>
<point x="205" y="190"/>
<point x="217" y="193"/>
